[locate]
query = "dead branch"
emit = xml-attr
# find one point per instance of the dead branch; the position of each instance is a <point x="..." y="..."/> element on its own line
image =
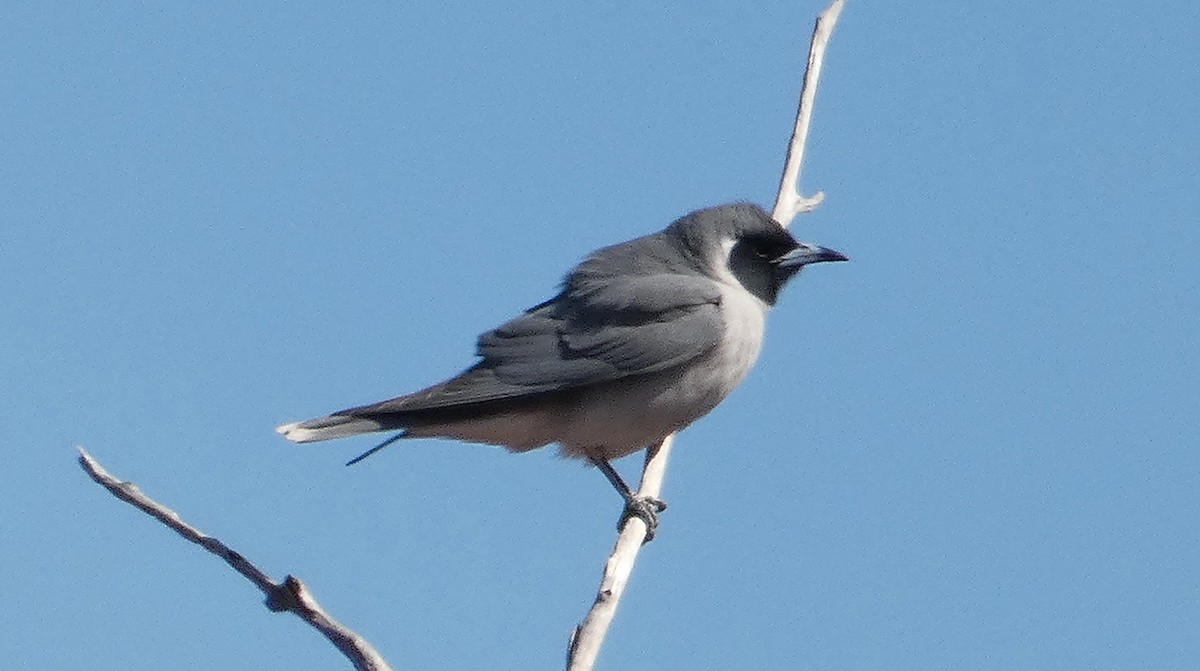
<point x="585" y="642"/>
<point x="788" y="201"/>
<point x="289" y="596"/>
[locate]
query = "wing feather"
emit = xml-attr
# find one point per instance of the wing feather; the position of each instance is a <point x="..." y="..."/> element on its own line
<point x="593" y="332"/>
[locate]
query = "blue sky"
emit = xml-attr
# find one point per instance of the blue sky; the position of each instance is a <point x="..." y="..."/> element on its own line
<point x="972" y="447"/>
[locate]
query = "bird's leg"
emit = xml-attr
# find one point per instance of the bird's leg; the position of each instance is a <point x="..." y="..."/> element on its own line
<point x="645" y="508"/>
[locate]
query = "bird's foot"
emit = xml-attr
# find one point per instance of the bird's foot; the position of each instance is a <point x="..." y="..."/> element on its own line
<point x="646" y="509"/>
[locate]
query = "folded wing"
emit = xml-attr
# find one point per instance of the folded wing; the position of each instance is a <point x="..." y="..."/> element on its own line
<point x="584" y="336"/>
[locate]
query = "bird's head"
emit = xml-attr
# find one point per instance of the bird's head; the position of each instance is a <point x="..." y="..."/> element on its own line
<point x="741" y="243"/>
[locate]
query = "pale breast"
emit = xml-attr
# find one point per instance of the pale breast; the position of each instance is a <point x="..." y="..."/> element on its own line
<point x="745" y="321"/>
<point x="621" y="418"/>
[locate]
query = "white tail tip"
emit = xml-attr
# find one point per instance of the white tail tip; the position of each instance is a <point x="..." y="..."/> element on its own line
<point x="327" y="428"/>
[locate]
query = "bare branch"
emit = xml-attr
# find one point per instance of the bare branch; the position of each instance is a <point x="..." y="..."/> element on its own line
<point x="789" y="202"/>
<point x="291" y="595"/>
<point x="587" y="638"/>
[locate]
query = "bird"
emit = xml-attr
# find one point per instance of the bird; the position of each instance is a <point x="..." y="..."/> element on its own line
<point x="643" y="338"/>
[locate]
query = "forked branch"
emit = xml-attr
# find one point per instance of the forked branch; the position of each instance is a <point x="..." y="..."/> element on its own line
<point x="789" y="202"/>
<point x="289" y="596"/>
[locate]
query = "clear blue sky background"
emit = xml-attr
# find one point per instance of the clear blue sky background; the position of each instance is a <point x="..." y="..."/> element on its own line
<point x="973" y="447"/>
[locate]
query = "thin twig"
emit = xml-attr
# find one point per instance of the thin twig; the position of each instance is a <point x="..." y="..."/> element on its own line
<point x="789" y="202"/>
<point x="587" y="638"/>
<point x="291" y="595"/>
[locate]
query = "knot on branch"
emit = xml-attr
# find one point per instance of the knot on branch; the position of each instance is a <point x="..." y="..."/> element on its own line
<point x="286" y="597"/>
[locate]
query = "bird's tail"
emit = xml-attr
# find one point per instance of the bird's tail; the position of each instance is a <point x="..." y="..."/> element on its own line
<point x="328" y="428"/>
<point x="337" y="426"/>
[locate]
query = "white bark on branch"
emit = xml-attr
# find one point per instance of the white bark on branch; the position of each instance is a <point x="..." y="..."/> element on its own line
<point x="585" y="642"/>
<point x="586" y="639"/>
<point x="789" y="202"/>
<point x="289" y="596"/>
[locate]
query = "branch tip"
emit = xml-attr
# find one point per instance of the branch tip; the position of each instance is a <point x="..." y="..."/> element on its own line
<point x="788" y="201"/>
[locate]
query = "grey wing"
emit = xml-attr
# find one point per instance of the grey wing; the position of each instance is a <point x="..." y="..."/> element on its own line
<point x="625" y="327"/>
<point x="581" y="337"/>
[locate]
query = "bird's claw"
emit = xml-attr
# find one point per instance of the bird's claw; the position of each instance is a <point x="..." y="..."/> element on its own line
<point x="646" y="509"/>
